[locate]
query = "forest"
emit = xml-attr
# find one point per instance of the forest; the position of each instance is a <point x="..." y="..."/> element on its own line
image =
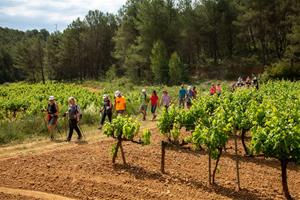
<point x="161" y="41"/>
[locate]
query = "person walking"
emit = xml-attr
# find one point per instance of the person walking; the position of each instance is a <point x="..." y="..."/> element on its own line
<point x="165" y="100"/>
<point x="212" y="89"/>
<point x="144" y="99"/>
<point x="120" y="103"/>
<point x="182" y="96"/>
<point x="154" y="104"/>
<point x="195" y="92"/>
<point x="189" y="97"/>
<point x="74" y="115"/>
<point x="255" y="81"/>
<point x="219" y="89"/>
<point x="106" y="110"/>
<point x="248" y="81"/>
<point x="52" y="116"/>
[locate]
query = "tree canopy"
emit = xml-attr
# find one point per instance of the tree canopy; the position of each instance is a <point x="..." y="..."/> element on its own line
<point x="138" y="42"/>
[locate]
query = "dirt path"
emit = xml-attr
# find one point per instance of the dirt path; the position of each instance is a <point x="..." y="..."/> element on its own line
<point x="84" y="171"/>
<point x="31" y="194"/>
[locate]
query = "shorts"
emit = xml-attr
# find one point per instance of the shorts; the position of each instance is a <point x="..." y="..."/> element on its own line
<point x="153" y="108"/>
<point x="181" y="100"/>
<point x="143" y="107"/>
<point x="189" y="103"/>
<point x="52" y="120"/>
<point x="120" y="112"/>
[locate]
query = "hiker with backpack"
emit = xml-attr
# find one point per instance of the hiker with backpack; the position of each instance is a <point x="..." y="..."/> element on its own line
<point x="144" y="99"/>
<point x="182" y="96"/>
<point x="154" y="104"/>
<point x="120" y="103"/>
<point x="189" y="97"/>
<point x="74" y="115"/>
<point x="52" y="116"/>
<point x="106" y="110"/>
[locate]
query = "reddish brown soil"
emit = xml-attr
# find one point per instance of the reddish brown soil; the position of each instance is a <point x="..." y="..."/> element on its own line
<point x="85" y="172"/>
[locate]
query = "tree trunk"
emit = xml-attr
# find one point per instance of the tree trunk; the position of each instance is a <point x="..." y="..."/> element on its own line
<point x="209" y="167"/>
<point x="237" y="164"/>
<point x="252" y="38"/>
<point x="116" y="152"/>
<point x="243" y="134"/>
<point x="43" y="74"/>
<point x="216" y="166"/>
<point x="285" y="188"/>
<point x="163" y="152"/>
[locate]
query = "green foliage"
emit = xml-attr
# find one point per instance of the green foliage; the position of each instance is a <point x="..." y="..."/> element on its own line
<point x="7" y="70"/>
<point x="111" y="74"/>
<point x="146" y="137"/>
<point x="159" y="63"/>
<point x="213" y="132"/>
<point x="124" y="127"/>
<point x="272" y="114"/>
<point x="167" y="121"/>
<point x="175" y="131"/>
<point x="213" y="39"/>
<point x="175" y="69"/>
<point x="276" y="130"/>
<point x="113" y="149"/>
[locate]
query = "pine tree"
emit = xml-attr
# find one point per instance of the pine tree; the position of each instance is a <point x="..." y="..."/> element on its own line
<point x="175" y="69"/>
<point x="159" y="64"/>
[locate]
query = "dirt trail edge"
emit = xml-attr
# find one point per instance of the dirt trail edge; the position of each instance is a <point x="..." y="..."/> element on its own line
<point x="39" y="145"/>
<point x="34" y="194"/>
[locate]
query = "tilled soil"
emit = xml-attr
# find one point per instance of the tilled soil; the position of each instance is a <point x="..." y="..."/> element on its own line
<point x="85" y="171"/>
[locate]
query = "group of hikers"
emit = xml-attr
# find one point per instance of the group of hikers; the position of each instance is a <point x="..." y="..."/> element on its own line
<point x="73" y="113"/>
<point x="185" y="97"/>
<point x="248" y="82"/>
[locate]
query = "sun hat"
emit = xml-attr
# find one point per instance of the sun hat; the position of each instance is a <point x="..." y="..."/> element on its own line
<point x="117" y="93"/>
<point x="51" y="98"/>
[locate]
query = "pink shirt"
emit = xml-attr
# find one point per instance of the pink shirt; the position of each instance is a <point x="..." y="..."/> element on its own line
<point x="166" y="100"/>
<point x="219" y="89"/>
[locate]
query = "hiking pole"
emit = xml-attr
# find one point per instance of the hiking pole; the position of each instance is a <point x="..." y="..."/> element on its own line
<point x="58" y="130"/>
<point x="81" y="131"/>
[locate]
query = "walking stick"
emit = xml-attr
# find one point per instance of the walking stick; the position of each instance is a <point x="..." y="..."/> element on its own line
<point x="58" y="130"/>
<point x="84" y="138"/>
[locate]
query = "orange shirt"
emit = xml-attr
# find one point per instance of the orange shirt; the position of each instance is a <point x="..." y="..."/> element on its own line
<point x="120" y="103"/>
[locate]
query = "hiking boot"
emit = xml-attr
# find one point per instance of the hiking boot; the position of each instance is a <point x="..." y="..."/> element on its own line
<point x="154" y="117"/>
<point x="67" y="140"/>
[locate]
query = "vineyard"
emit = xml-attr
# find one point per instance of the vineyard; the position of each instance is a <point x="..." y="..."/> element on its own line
<point x="245" y="125"/>
<point x="21" y="103"/>
<point x="270" y="116"/>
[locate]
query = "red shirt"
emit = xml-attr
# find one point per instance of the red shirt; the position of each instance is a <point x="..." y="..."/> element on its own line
<point x="212" y="90"/>
<point x="154" y="100"/>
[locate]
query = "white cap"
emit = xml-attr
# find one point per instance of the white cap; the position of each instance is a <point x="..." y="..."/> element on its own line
<point x="189" y="87"/>
<point x="105" y="96"/>
<point x="51" y="98"/>
<point x="71" y="98"/>
<point x="143" y="90"/>
<point x="117" y="93"/>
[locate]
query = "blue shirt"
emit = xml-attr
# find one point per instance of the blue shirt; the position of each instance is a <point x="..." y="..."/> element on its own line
<point x="182" y="93"/>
